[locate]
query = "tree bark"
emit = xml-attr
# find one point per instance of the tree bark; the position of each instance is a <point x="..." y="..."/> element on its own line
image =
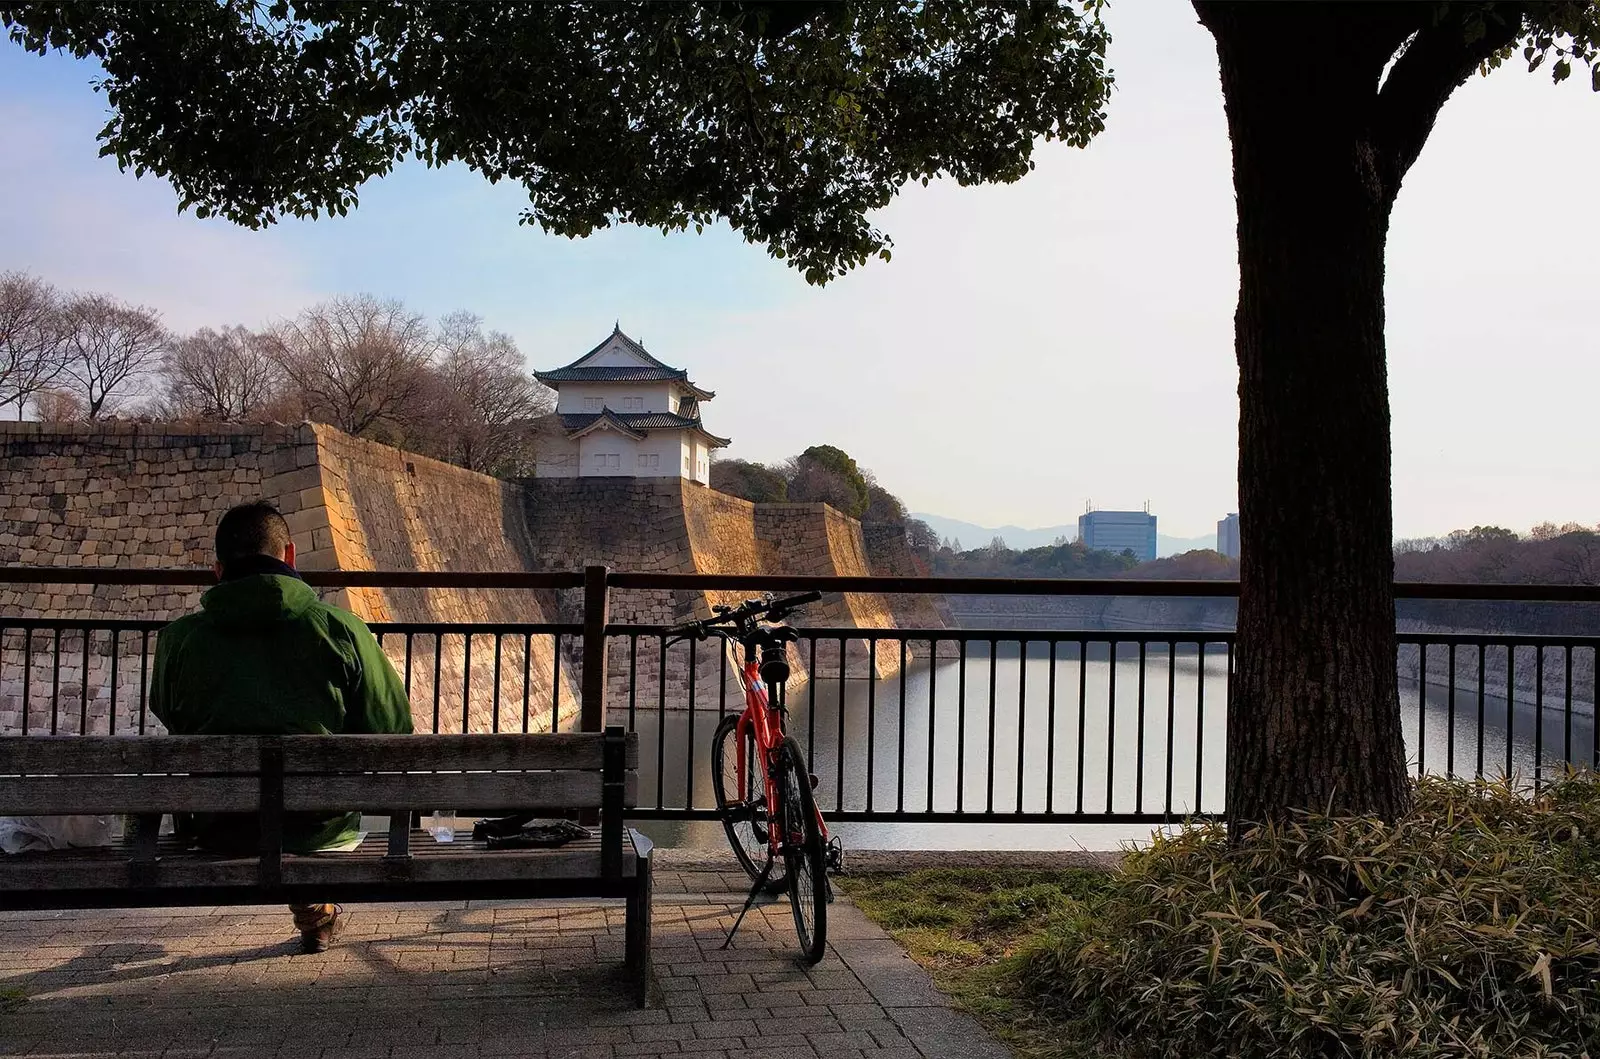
<point x="1314" y="721"/>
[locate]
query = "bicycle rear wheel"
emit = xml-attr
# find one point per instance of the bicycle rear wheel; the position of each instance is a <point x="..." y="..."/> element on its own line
<point x="743" y="809"/>
<point x="803" y="851"/>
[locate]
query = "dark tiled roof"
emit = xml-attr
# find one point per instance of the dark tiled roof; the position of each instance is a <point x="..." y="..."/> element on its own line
<point x="652" y="370"/>
<point x="635" y="423"/>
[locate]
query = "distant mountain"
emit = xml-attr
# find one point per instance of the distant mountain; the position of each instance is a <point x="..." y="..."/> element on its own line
<point x="1166" y="545"/>
<point x="972" y="535"/>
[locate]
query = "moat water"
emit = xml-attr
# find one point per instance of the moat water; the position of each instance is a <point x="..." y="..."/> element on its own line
<point x="998" y="734"/>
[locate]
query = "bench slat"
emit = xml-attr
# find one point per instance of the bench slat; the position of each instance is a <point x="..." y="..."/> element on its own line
<point x="108" y="868"/>
<point x="393" y="753"/>
<point x="95" y="795"/>
<point x="505" y="790"/>
<point x="103" y="754"/>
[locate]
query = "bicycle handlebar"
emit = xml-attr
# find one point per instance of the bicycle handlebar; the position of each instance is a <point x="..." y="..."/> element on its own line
<point x="749" y="610"/>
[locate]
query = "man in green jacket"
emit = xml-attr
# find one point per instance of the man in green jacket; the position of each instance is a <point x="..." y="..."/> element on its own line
<point x="265" y="656"/>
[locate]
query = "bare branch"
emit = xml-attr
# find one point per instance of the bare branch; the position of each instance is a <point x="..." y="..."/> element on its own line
<point x="110" y="348"/>
<point x="32" y="351"/>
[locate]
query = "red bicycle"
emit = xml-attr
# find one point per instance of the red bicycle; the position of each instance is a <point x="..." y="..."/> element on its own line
<point x="763" y="789"/>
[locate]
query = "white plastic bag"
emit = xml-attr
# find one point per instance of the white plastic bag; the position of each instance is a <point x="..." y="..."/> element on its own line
<point x="24" y="834"/>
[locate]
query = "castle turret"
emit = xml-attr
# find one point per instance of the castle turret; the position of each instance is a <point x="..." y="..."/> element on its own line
<point x="622" y="413"/>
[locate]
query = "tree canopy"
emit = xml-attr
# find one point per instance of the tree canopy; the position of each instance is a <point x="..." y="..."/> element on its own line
<point x="791" y="121"/>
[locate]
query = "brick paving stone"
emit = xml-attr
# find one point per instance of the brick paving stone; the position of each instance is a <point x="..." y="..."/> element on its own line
<point x="477" y="981"/>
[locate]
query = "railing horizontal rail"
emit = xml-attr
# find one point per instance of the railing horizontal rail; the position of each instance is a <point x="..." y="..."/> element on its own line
<point x="953" y="635"/>
<point x="203" y="576"/>
<point x="996" y="586"/>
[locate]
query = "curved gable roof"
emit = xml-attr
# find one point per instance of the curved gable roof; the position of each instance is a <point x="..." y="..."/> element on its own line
<point x="649" y="369"/>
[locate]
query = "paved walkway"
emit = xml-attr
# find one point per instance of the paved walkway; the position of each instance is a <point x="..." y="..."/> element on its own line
<point x="467" y="980"/>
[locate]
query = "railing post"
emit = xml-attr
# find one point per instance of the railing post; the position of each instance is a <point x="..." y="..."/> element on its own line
<point x="596" y="615"/>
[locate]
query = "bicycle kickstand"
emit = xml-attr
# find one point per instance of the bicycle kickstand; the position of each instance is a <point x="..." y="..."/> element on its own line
<point x="760" y="883"/>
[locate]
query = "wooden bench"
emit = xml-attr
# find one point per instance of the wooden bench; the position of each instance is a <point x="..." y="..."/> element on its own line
<point x="143" y="777"/>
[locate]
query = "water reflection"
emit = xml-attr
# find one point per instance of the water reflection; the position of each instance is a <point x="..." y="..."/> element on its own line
<point x="1064" y="729"/>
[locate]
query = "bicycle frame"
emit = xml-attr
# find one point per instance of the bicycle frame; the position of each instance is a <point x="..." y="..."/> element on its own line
<point x="764" y="719"/>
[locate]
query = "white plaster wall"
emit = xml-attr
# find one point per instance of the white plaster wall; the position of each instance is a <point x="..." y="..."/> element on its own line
<point x="558" y="458"/>
<point x="619" y="452"/>
<point x="701" y="462"/>
<point x="662" y="453"/>
<point x="576" y="398"/>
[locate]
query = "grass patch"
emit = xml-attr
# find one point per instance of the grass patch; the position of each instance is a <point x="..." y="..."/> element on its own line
<point x="966" y="926"/>
<point x="1469" y="929"/>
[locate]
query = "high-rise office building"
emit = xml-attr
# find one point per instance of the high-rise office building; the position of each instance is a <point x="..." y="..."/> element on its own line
<point x="1228" y="536"/>
<point x="1119" y="531"/>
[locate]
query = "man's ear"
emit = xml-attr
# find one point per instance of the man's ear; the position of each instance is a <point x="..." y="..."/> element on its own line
<point x="216" y="568"/>
<point x="288" y="554"/>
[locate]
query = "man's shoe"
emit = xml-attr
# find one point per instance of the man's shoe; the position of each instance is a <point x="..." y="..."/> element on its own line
<point x="317" y="935"/>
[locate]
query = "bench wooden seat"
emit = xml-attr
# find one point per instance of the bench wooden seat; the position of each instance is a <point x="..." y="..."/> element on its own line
<point x="145" y="776"/>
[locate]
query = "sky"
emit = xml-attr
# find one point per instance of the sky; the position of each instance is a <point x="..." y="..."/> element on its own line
<point x="1032" y="348"/>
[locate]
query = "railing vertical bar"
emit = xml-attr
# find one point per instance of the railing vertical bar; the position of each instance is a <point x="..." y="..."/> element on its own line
<point x="811" y="704"/>
<point x="838" y="790"/>
<point x="466" y="682"/>
<point x="405" y="676"/>
<point x="438" y="659"/>
<point x="900" y="761"/>
<point x="527" y="682"/>
<point x="1450" y="715"/>
<point x="1083" y="711"/>
<point x="722" y="683"/>
<point x="1138" y="776"/>
<point x="1050" y="741"/>
<point x="633" y="680"/>
<point x="933" y="700"/>
<point x="1538" y="717"/>
<point x="1227" y="706"/>
<point x="1422" y="708"/>
<point x="1022" y="717"/>
<point x="661" y="723"/>
<point x="988" y="774"/>
<point x="83" y="685"/>
<point x="1111" y="724"/>
<point x="498" y="637"/>
<point x="116" y="656"/>
<point x="872" y="712"/>
<point x="1482" y="649"/>
<point x="1594" y="700"/>
<point x="555" y="682"/>
<point x="688" y="779"/>
<point x="1566" y="711"/>
<point x="961" y="728"/>
<point x="1511" y="705"/>
<point x="144" y="682"/>
<point x="55" y="684"/>
<point x="1200" y="727"/>
<point x="27" y="677"/>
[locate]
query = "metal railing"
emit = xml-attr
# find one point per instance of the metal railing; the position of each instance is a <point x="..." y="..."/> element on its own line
<point x="926" y="725"/>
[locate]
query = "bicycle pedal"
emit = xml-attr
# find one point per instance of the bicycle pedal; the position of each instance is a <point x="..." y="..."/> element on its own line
<point x="833" y="858"/>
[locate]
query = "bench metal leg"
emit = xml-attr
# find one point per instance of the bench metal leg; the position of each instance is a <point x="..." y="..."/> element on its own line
<point x="637" y="932"/>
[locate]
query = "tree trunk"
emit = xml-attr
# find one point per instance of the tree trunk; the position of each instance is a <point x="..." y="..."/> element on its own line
<point x="1314" y="721"/>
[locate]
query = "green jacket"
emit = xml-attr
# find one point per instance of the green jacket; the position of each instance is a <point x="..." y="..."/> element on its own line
<point x="265" y="656"/>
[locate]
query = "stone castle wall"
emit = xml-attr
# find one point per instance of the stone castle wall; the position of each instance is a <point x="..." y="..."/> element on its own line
<point x="148" y="496"/>
<point x="143" y="496"/>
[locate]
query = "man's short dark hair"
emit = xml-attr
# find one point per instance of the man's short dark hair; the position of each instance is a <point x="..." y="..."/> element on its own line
<point x="249" y="530"/>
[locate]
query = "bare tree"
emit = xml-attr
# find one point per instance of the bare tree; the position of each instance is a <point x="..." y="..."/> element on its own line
<point x="58" y="406"/>
<point x="229" y="375"/>
<point x="32" y="352"/>
<point x="110" y="347"/>
<point x="355" y="363"/>
<point x="485" y="399"/>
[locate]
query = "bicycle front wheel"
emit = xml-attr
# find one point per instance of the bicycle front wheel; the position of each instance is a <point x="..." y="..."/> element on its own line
<point x="803" y="852"/>
<point x="742" y="806"/>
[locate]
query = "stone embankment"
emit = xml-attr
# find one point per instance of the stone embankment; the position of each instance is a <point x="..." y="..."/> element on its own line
<point x="146" y="496"/>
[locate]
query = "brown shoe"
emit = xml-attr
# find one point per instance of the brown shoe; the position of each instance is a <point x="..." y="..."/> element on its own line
<point x="317" y="925"/>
